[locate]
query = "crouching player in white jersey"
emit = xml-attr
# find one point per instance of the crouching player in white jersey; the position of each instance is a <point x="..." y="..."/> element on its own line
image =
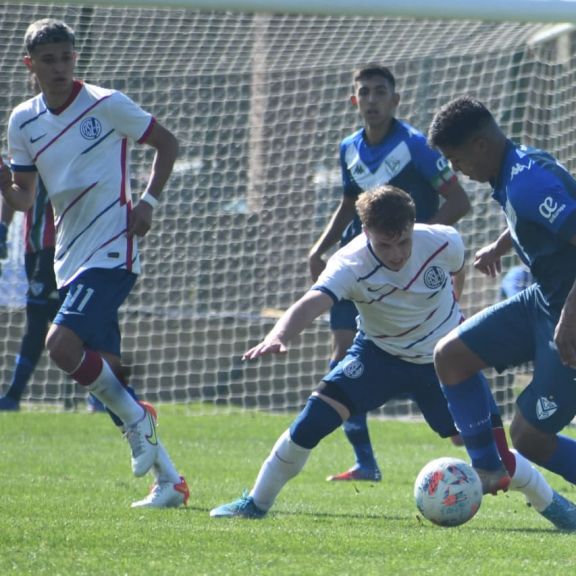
<point x="76" y="136"/>
<point x="398" y="274"/>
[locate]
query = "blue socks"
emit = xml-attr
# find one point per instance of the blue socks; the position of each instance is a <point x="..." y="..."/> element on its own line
<point x="356" y="430"/>
<point x="471" y="405"/>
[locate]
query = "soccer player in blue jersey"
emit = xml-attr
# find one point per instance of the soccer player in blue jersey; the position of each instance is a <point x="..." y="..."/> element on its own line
<point x="76" y="137"/>
<point x="398" y="273"/>
<point x="538" y="197"/>
<point x="385" y="151"/>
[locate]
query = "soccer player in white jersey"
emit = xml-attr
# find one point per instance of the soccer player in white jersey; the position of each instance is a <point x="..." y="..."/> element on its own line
<point x="386" y="150"/>
<point x="398" y="274"/>
<point x="76" y="137"/>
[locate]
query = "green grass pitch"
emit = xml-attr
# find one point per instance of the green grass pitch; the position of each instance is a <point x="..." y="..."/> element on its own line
<point x="66" y="488"/>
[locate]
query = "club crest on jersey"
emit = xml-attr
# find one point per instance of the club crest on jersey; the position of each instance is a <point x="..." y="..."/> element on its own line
<point x="434" y="277"/>
<point x="353" y="368"/>
<point x="545" y="408"/>
<point x="36" y="288"/>
<point x="90" y="128"/>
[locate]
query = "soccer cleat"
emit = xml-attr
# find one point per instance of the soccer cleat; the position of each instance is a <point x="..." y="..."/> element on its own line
<point x="244" y="507"/>
<point x="561" y="512"/>
<point x="362" y="473"/>
<point x="165" y="495"/>
<point x="493" y="480"/>
<point x="150" y="408"/>
<point x="8" y="404"/>
<point x="144" y="443"/>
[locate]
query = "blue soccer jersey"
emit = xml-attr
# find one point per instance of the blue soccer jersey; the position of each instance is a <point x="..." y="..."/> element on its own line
<point x="403" y="159"/>
<point x="538" y="196"/>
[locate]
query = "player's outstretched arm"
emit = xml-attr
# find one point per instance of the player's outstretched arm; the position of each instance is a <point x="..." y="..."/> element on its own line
<point x="300" y="315"/>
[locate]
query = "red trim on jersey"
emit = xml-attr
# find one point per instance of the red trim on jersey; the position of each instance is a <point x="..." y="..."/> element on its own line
<point x="447" y="183"/>
<point x="110" y="240"/>
<point x="147" y="131"/>
<point x="383" y="336"/>
<point x="68" y="127"/>
<point x="123" y="155"/>
<point x="443" y="247"/>
<point x="125" y="200"/>
<point x="77" y="199"/>
<point x="76" y="87"/>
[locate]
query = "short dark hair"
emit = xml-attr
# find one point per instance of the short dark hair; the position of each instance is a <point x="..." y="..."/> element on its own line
<point x="457" y="121"/>
<point x="47" y="31"/>
<point x="386" y="209"/>
<point x="372" y="69"/>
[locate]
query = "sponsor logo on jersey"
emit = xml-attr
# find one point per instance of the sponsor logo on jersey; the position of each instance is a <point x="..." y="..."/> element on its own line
<point x="518" y="168"/>
<point x="353" y="368"/>
<point x="434" y="277"/>
<point x="545" y="408"/>
<point x="36" y="288"/>
<point x="32" y="140"/>
<point x="550" y="209"/>
<point x="90" y="128"/>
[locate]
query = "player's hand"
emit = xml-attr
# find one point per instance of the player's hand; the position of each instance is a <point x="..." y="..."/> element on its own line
<point x="565" y="334"/>
<point x="267" y="346"/>
<point x="140" y="220"/>
<point x="5" y="175"/>
<point x="487" y="260"/>
<point x="3" y="241"/>
<point x="316" y="265"/>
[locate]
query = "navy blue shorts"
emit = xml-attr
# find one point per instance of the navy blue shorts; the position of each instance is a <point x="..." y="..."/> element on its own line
<point x="521" y="330"/>
<point x="367" y="377"/>
<point x="90" y="307"/>
<point x="343" y="316"/>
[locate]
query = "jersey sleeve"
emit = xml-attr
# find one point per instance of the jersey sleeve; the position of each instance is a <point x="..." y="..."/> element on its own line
<point x="20" y="158"/>
<point x="546" y="198"/>
<point x="337" y="280"/>
<point x="349" y="187"/>
<point x="128" y="118"/>
<point x="455" y="253"/>
<point x="431" y="164"/>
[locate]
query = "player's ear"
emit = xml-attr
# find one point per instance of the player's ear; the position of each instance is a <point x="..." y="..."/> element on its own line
<point x="354" y="100"/>
<point x="396" y="99"/>
<point x="28" y="62"/>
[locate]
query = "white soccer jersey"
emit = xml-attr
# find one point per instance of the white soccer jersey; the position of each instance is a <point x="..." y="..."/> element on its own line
<point x="405" y="312"/>
<point x="82" y="155"/>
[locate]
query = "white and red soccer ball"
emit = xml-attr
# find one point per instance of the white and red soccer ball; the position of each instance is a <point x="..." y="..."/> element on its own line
<point x="448" y="491"/>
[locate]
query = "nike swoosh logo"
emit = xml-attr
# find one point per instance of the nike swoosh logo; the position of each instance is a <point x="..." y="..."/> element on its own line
<point x="152" y="438"/>
<point x="32" y="140"/>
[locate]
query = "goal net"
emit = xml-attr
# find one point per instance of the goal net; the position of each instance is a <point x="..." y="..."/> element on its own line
<point x="259" y="103"/>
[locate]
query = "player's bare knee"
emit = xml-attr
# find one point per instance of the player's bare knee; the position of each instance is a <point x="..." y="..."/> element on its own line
<point x="444" y="358"/>
<point x="64" y="348"/>
<point x="533" y="444"/>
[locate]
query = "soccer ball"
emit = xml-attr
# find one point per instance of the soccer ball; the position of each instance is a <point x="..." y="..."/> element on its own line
<point x="448" y="491"/>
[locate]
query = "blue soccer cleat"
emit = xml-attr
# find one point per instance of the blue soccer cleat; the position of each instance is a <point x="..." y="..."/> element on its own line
<point x="561" y="512"/>
<point x="8" y="404"/>
<point x="244" y="507"/>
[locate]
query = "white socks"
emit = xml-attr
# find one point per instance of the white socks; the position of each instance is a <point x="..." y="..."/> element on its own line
<point x="531" y="483"/>
<point x="163" y="468"/>
<point x="108" y="389"/>
<point x="285" y="461"/>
